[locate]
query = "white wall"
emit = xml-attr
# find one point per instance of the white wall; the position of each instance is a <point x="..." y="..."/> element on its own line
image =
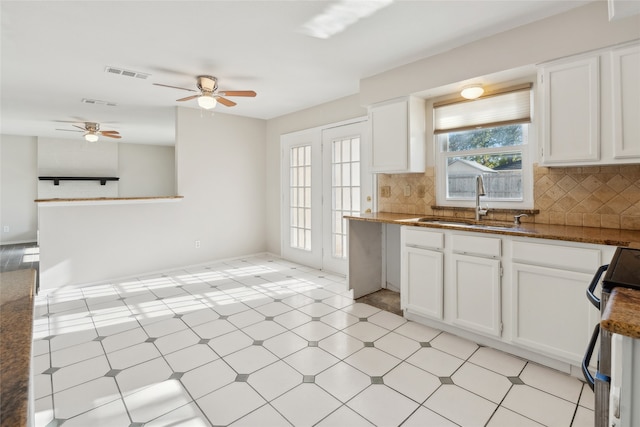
<point x="578" y="30"/>
<point x="18" y="189"/>
<point x="78" y="158"/>
<point x="146" y="170"/>
<point x="220" y="169"/>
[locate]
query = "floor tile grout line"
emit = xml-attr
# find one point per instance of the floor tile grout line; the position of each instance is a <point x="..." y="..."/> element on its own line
<point x="106" y="356"/>
<point x="255" y="308"/>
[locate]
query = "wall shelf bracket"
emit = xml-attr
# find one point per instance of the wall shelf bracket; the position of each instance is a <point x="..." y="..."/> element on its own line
<point x="56" y="179"/>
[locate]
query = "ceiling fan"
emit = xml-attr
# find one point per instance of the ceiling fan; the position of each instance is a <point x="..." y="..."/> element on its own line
<point x="92" y="131"/>
<point x="209" y="95"/>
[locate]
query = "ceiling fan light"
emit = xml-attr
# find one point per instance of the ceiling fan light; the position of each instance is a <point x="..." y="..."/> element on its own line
<point x="207" y="102"/>
<point x="472" y="91"/>
<point x="91" y="137"/>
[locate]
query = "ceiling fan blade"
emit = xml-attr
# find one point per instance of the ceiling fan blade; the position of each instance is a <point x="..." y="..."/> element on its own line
<point x="71" y="130"/>
<point x="112" y="132"/>
<point x="225" y="101"/>
<point x="175" y="87"/>
<point x="79" y="127"/>
<point x="109" y="135"/>
<point x="188" y="98"/>
<point x="238" y="93"/>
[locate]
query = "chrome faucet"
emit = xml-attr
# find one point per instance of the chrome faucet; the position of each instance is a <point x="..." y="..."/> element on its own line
<point x="479" y="192"/>
<point x="516" y="218"/>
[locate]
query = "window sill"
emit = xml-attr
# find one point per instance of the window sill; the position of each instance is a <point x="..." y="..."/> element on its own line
<point x="496" y="210"/>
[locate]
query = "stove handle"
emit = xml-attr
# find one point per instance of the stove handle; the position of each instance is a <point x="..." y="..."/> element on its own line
<point x="592" y="287"/>
<point x="587" y="357"/>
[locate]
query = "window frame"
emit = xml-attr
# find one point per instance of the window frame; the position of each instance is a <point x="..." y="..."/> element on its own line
<point x="442" y="156"/>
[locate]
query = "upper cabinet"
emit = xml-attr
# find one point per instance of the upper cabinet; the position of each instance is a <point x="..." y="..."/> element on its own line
<point x="571" y="106"/>
<point x="590" y="105"/>
<point x="398" y="136"/>
<point x="625" y="67"/>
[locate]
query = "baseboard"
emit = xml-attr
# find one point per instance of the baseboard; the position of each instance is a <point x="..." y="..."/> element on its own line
<point x="17" y="242"/>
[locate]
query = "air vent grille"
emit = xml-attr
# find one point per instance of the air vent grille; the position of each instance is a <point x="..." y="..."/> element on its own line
<point x="98" y="102"/>
<point x="128" y="73"/>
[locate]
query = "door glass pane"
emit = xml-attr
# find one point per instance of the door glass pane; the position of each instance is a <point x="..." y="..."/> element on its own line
<point x="355" y="199"/>
<point x="355" y="150"/>
<point x="300" y="201"/>
<point x="355" y="174"/>
<point x="346" y="199"/>
<point x="346" y="151"/>
<point x="346" y="174"/>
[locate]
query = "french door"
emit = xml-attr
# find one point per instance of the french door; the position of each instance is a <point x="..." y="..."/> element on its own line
<point x="324" y="177"/>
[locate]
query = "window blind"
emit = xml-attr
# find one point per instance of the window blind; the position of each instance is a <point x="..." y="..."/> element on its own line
<point x="501" y="109"/>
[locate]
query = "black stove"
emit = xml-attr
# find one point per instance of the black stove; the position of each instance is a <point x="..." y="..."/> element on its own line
<point x="624" y="270"/>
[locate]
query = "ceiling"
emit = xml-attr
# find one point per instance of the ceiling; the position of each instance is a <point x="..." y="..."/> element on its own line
<point x="54" y="55"/>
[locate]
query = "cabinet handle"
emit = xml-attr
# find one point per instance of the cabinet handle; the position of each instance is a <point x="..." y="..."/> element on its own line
<point x="592" y="286"/>
<point x="587" y="357"/>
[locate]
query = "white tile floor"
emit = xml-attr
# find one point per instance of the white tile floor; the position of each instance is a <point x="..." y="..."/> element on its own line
<point x="260" y="342"/>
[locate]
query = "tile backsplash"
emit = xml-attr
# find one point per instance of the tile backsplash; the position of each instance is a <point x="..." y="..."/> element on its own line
<point x="593" y="196"/>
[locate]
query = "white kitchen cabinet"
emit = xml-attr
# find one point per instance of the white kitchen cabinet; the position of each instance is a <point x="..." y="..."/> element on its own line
<point x="517" y="294"/>
<point x="422" y="290"/>
<point x="476" y="292"/>
<point x="398" y="136"/>
<point x="625" y="63"/>
<point x="590" y="108"/>
<point x="550" y="310"/>
<point x="571" y="111"/>
<point x="477" y="298"/>
<point x="422" y="279"/>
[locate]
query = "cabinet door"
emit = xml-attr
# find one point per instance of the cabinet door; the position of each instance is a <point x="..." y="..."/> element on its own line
<point x="626" y="102"/>
<point x="571" y="119"/>
<point x="389" y="137"/>
<point x="551" y="312"/>
<point x="422" y="282"/>
<point x="476" y="294"/>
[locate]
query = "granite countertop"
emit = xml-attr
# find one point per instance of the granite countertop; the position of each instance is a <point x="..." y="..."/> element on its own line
<point x="16" y="324"/>
<point x="622" y="313"/>
<point x="599" y="236"/>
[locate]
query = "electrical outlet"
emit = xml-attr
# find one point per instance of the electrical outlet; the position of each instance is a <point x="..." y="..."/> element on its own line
<point x="197" y="243"/>
<point x="5" y="228"/>
<point x="407" y="190"/>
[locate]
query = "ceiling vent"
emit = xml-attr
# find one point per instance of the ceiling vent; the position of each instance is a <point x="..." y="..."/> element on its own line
<point x="98" y="102"/>
<point x="128" y="73"/>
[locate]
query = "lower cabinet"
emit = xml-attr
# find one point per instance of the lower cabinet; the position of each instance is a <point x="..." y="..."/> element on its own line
<point x="476" y="294"/>
<point x="539" y="306"/>
<point x="421" y="272"/>
<point x="550" y="310"/>
<point x="422" y="282"/>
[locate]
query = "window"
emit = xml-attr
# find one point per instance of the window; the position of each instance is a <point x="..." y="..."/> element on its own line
<point x="487" y="137"/>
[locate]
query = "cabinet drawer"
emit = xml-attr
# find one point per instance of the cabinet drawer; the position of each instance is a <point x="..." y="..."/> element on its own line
<point x="485" y="246"/>
<point x="416" y="237"/>
<point x="564" y="257"/>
